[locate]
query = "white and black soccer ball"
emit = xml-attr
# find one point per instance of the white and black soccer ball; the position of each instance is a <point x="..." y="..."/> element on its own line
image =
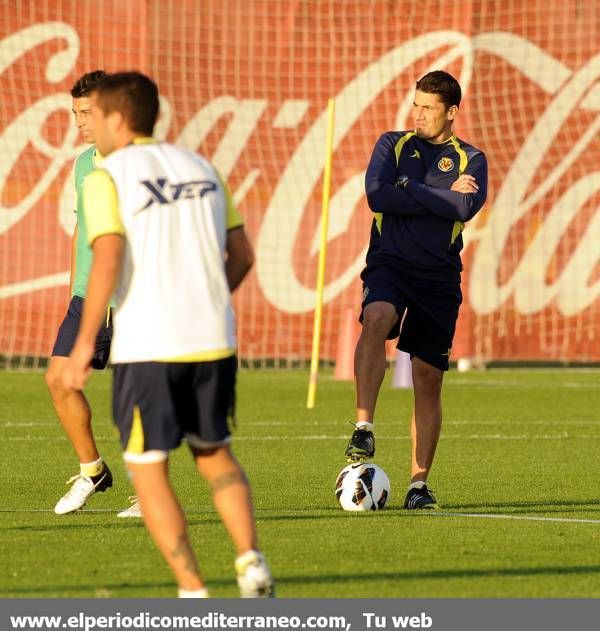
<point x="362" y="487"/>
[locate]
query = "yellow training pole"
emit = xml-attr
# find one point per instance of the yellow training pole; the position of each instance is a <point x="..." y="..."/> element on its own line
<point x="314" y="361"/>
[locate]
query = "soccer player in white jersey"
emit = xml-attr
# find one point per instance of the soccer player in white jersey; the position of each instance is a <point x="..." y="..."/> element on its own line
<point x="169" y="243"/>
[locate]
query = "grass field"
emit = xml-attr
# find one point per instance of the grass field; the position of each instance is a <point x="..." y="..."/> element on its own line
<point x="516" y="474"/>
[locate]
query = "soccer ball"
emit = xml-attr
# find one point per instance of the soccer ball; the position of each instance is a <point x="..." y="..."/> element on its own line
<point x="362" y="487"/>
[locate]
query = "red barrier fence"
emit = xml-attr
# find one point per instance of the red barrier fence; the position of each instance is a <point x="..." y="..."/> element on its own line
<point x="246" y="83"/>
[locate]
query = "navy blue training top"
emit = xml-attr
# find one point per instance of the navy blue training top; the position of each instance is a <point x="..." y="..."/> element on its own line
<point x="417" y="230"/>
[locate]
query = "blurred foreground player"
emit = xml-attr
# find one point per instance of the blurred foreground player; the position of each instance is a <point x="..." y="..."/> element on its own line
<point x="166" y="236"/>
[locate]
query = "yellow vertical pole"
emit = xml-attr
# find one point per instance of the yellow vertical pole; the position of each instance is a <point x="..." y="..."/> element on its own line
<point x="314" y="361"/>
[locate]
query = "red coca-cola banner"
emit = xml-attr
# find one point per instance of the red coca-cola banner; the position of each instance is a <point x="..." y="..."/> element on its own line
<point x="246" y="83"/>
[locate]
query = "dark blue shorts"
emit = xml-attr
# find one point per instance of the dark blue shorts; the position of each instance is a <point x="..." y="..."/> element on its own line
<point x="158" y="404"/>
<point x="67" y="333"/>
<point x="427" y="311"/>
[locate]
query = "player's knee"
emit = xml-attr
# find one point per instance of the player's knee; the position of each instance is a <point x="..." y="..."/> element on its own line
<point x="211" y="459"/>
<point x="427" y="378"/>
<point x="378" y="319"/>
<point x="53" y="379"/>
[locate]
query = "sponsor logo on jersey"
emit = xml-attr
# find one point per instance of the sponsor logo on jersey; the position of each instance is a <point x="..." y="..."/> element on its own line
<point x="163" y="192"/>
<point x="416" y="154"/>
<point x="446" y="164"/>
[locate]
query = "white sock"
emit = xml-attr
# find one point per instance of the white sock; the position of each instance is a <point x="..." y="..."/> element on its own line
<point x="365" y="425"/>
<point x="193" y="593"/>
<point x="419" y="484"/>
<point x="91" y="469"/>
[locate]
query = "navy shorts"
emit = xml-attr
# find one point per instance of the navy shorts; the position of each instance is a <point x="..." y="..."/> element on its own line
<point x="427" y="311"/>
<point x="67" y="333"/>
<point x="158" y="404"/>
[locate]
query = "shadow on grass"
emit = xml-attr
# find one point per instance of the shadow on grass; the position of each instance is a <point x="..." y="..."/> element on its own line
<point x="81" y="526"/>
<point x="360" y="577"/>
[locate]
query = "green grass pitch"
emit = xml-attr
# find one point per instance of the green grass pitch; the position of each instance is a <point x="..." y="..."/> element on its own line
<point x="520" y="448"/>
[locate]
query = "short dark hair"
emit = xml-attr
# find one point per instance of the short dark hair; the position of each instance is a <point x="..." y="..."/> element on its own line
<point x="134" y="95"/>
<point x="443" y="84"/>
<point x="87" y="83"/>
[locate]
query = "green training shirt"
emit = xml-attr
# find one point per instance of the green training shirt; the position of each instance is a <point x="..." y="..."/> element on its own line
<point x="84" y="164"/>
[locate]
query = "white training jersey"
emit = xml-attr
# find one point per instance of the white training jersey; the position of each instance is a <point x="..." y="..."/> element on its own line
<point x="172" y="300"/>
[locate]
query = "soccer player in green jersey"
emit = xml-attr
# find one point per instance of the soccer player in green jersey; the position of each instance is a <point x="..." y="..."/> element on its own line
<point x="72" y="407"/>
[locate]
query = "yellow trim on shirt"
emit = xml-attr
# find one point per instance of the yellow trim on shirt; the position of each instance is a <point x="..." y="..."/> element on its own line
<point x="462" y="154"/>
<point x="234" y="219"/>
<point x="457" y="228"/>
<point x="101" y="205"/>
<point x="402" y="142"/>
<point x="378" y="221"/>
<point x="202" y="356"/>
<point x="97" y="158"/>
<point x="144" y="140"/>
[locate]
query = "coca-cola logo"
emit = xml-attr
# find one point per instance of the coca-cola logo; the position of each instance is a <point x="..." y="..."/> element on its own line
<point x="571" y="289"/>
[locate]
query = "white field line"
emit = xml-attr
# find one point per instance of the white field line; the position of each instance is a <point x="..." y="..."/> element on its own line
<point x="560" y="520"/>
<point x="501" y="422"/>
<point x="28" y="424"/>
<point x="499" y="383"/>
<point x="441" y="513"/>
<point x="524" y="423"/>
<point x="560" y="436"/>
<point x="446" y="423"/>
<point x="539" y="370"/>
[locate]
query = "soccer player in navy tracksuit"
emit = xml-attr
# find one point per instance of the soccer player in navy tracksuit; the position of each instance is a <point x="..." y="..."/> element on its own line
<point x="422" y="186"/>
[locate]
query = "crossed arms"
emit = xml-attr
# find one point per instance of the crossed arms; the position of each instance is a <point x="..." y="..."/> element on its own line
<point x="459" y="203"/>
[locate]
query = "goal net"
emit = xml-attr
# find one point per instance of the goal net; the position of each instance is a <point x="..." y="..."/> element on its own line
<point x="246" y="83"/>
